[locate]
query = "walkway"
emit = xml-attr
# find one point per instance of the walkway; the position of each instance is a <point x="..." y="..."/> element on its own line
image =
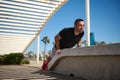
<point x="17" y="72"/>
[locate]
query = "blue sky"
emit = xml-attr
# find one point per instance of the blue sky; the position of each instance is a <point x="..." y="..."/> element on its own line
<point x="104" y="16"/>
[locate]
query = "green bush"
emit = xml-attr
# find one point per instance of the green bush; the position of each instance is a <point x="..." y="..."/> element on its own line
<point x="1" y="59"/>
<point x="13" y="58"/>
<point x="25" y="61"/>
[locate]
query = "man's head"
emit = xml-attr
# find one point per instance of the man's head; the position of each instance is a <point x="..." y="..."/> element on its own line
<point x="79" y="25"/>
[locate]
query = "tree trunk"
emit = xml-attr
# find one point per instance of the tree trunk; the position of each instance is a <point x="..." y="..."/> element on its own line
<point x="44" y="51"/>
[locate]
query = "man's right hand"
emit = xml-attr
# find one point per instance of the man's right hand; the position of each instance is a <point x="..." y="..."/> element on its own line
<point x="57" y="44"/>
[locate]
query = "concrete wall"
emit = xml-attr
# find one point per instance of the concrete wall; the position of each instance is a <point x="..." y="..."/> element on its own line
<point x="91" y="63"/>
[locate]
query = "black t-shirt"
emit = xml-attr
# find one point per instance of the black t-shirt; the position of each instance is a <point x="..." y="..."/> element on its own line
<point x="68" y="39"/>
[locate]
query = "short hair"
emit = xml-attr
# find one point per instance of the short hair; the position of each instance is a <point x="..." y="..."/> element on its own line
<point x="77" y="21"/>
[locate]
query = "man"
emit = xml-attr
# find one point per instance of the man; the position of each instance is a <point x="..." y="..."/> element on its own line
<point x="67" y="38"/>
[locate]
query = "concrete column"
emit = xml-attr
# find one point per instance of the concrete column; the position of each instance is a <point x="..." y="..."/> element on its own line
<point x="87" y="23"/>
<point x="38" y="48"/>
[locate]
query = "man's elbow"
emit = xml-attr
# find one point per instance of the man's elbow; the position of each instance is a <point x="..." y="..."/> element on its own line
<point x="57" y="37"/>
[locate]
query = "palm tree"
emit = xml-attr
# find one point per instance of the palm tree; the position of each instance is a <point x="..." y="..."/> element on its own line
<point x="45" y="40"/>
<point x="96" y="43"/>
<point x="102" y="43"/>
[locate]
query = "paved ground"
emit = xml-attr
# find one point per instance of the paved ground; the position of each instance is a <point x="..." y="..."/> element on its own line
<point x="22" y="72"/>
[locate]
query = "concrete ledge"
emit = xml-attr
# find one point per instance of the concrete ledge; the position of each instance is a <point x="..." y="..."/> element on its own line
<point x="93" y="63"/>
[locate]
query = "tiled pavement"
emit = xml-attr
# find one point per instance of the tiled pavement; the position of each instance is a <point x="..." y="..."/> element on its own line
<point x="22" y="72"/>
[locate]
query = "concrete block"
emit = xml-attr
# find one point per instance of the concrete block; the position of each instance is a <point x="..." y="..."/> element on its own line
<point x="93" y="63"/>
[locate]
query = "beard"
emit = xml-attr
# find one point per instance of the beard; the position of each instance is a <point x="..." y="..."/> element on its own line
<point x="79" y="30"/>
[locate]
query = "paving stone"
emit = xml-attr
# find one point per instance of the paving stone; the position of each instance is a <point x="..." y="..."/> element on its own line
<point x="21" y="72"/>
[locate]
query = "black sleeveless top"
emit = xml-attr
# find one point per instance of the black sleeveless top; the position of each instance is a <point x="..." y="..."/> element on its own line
<point x="68" y="39"/>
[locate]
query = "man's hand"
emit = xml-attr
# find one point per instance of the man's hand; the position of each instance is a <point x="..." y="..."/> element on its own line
<point x="57" y="44"/>
<point x="57" y="51"/>
<point x="79" y="43"/>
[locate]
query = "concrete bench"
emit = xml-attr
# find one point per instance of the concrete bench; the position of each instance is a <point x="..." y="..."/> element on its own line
<point x="93" y="63"/>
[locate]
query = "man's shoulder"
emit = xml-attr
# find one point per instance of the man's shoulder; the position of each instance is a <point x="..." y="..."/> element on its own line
<point x="69" y="28"/>
<point x="66" y="31"/>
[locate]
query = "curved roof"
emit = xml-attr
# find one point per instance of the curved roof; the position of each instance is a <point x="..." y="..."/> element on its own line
<point x="22" y="20"/>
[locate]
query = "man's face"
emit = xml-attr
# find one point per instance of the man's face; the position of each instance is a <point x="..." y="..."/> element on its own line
<point x="79" y="27"/>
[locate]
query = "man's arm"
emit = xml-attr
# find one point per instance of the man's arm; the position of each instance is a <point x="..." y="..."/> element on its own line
<point x="79" y="43"/>
<point x="57" y="43"/>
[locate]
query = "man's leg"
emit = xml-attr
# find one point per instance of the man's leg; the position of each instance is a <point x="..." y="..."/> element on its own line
<point x="51" y="55"/>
